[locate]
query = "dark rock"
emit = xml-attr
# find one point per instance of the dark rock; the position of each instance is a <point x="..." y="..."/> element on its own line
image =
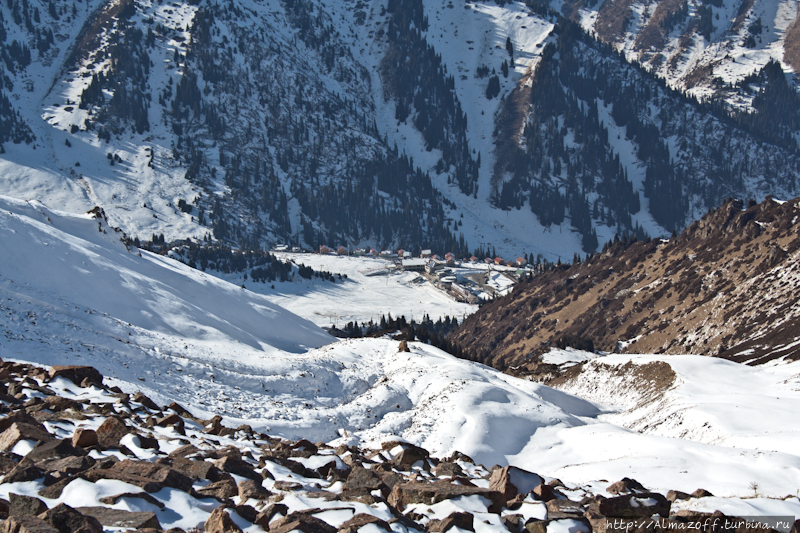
<point x="625" y="485"/>
<point x="252" y="489"/>
<point x="150" y="443"/>
<point x="172" y="420"/>
<point x="57" y="403"/>
<point x="264" y="517"/>
<point x="111" y="431"/>
<point x="83" y="437"/>
<point x="632" y="506"/>
<point x="27" y="524"/>
<point x="19" y="417"/>
<point x="448" y="469"/>
<point x="408" y="456"/>
<point x="79" y="375"/>
<point x="144" y="483"/>
<point x="170" y="477"/>
<point x="197" y="469"/>
<point x="557" y="509"/>
<point x="247" y="512"/>
<point x="221" y="490"/>
<point x="23" y="431"/>
<point x="24" y="471"/>
<point x="702" y="493"/>
<point x="675" y="495"/>
<point x="120" y="518"/>
<point x="362" y="481"/>
<point x="54" y="491"/>
<point x="287" y="486"/>
<point x="362" y="519"/>
<point x="536" y="526"/>
<point x="67" y="520"/>
<point x="460" y="520"/>
<point x="68" y="465"/>
<point x="55" y="449"/>
<point x="238" y="467"/>
<point x="429" y="493"/>
<point x="302" y="521"/>
<point x="184" y="451"/>
<point x="25" y="505"/>
<point x="112" y="500"/>
<point x="513" y="522"/>
<point x="510" y="481"/>
<point x="544" y="493"/>
<point x="144" y="400"/>
<point x="220" y="522"/>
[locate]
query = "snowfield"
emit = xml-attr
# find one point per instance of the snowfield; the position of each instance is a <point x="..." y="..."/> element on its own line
<point x="71" y="292"/>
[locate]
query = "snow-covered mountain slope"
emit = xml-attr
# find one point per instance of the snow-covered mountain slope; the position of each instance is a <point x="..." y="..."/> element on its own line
<point x="65" y="272"/>
<point x="72" y="292"/>
<point x="706" y="48"/>
<point x="694" y="398"/>
<point x="296" y="121"/>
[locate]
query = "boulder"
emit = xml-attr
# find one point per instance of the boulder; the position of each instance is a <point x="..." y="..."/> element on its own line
<point x="27" y="524"/>
<point x="79" y="375"/>
<point x="362" y="519"/>
<point x="197" y="469"/>
<point x="408" y="456"/>
<point x="302" y="521"/>
<point x="544" y="493"/>
<point x="247" y="512"/>
<point x="54" y="450"/>
<point x="24" y="471"/>
<point x="184" y="451"/>
<point x="675" y="495"/>
<point x="25" y="505"/>
<point x="362" y="481"/>
<point x="112" y="500"/>
<point x="144" y="400"/>
<point x="58" y="403"/>
<point x="404" y="494"/>
<point x="403" y="347"/>
<point x="144" y="483"/>
<point x="510" y="481"/>
<point x="111" y="431"/>
<point x="448" y="469"/>
<point x="252" y="489"/>
<point x="461" y="520"/>
<point x="264" y="517"/>
<point x="238" y="467"/>
<point x="18" y="431"/>
<point x="625" y="485"/>
<point x="632" y="506"/>
<point x="67" y="520"/>
<point x="169" y="477"/>
<point x="84" y="437"/>
<point x="221" y="490"/>
<point x="220" y="522"/>
<point x="68" y="465"/>
<point x="558" y="509"/>
<point x="119" y="518"/>
<point x="702" y="493"/>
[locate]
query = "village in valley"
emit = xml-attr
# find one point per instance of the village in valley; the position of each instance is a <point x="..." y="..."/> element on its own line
<point x="468" y="280"/>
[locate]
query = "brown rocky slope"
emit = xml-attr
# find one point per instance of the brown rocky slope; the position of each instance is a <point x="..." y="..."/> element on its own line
<point x="727" y="286"/>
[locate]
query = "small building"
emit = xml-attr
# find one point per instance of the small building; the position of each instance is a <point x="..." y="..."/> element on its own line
<point x="426" y="253"/>
<point x="296" y="249"/>
<point x="324" y="250"/>
<point x="473" y="259"/>
<point x="521" y="262"/>
<point x="341" y="250"/>
<point x="431" y="266"/>
<point x="281" y="248"/>
<point x="413" y="265"/>
<point x="498" y="260"/>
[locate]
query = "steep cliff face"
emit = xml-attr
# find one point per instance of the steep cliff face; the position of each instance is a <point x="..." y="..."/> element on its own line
<point x="725" y="286"/>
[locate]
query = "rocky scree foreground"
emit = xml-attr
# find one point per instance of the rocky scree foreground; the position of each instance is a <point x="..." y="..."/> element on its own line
<point x="65" y="434"/>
